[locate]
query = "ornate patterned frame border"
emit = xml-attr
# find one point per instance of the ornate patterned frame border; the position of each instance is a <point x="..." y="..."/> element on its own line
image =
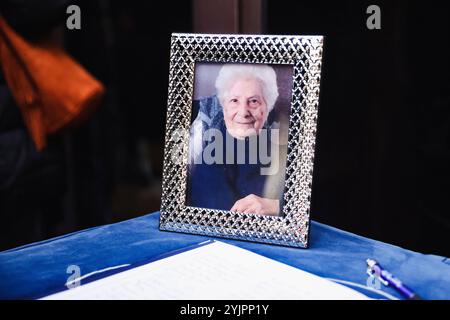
<point x="304" y="53"/>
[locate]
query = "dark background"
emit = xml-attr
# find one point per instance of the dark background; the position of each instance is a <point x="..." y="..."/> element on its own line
<point x="383" y="148"/>
<point x="383" y="144"/>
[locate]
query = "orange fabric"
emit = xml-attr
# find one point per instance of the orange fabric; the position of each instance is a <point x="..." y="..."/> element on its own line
<point x="51" y="89"/>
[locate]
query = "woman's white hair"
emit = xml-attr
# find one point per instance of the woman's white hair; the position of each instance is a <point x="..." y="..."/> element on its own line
<point x="264" y="74"/>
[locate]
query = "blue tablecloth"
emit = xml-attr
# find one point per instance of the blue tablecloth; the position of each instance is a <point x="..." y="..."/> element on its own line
<point x="39" y="269"/>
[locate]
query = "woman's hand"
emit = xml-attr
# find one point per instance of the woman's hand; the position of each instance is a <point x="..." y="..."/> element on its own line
<point x="257" y="205"/>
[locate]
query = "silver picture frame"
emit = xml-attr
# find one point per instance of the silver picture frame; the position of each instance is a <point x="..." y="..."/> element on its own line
<point x="304" y="54"/>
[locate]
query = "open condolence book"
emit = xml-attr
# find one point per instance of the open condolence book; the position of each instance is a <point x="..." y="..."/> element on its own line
<point x="212" y="271"/>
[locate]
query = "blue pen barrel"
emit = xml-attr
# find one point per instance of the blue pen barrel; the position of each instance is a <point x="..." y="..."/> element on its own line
<point x="387" y="278"/>
<point x="393" y="281"/>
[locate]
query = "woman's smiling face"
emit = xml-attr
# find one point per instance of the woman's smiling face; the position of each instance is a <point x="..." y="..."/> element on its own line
<point x="244" y="108"/>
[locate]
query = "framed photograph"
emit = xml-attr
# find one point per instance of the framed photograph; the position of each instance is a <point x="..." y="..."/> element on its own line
<point x="240" y="136"/>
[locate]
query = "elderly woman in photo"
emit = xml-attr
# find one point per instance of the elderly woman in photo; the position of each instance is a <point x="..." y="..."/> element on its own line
<point x="232" y="144"/>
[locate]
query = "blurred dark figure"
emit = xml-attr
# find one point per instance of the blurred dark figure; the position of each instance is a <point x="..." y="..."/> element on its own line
<point x="131" y="57"/>
<point x="109" y="169"/>
<point x="32" y="183"/>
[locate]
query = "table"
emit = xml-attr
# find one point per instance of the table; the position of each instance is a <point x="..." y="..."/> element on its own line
<point x="41" y="268"/>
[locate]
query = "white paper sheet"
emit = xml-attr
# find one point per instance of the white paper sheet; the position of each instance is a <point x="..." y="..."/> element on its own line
<point x="212" y="272"/>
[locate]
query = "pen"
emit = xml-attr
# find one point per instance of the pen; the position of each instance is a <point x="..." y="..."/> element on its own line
<point x="374" y="269"/>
